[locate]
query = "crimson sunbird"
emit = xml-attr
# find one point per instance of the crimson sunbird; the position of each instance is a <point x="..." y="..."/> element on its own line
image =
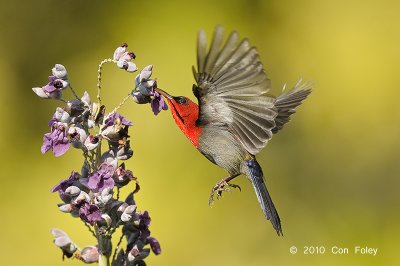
<point x="235" y="116"/>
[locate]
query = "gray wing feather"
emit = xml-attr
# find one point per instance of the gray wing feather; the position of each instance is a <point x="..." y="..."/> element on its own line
<point x="232" y="89"/>
<point x="286" y="103"/>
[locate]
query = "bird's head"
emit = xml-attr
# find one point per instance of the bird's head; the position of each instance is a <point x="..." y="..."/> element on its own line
<point x="185" y="113"/>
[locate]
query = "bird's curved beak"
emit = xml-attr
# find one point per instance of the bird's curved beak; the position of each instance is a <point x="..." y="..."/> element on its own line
<point x="164" y="93"/>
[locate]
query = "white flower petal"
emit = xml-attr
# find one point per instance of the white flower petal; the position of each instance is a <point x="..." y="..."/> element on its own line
<point x="66" y="208"/>
<point x="126" y="217"/>
<point x="86" y="98"/>
<point x="126" y="56"/>
<point x="130" y="209"/>
<point x="131" y="67"/>
<point x="73" y="191"/>
<point x="121" y="63"/>
<point x="148" y="68"/>
<point x="137" y="80"/>
<point x="89" y="145"/>
<point x="91" y="123"/>
<point x="41" y="93"/>
<point x="119" y="52"/>
<point x="145" y="75"/>
<point x="107" y="219"/>
<point x="150" y="83"/>
<point x="65" y="83"/>
<point x="57" y="232"/>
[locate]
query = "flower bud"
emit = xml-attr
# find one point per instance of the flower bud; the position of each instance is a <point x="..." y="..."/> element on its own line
<point x="73" y="191"/>
<point x="128" y="213"/>
<point x="62" y="240"/>
<point x="144" y="75"/>
<point x="120" y="51"/>
<point x="122" y="208"/>
<point x="148" y="68"/>
<point x="67" y="208"/>
<point x="82" y="197"/>
<point x="89" y="254"/>
<point x="86" y="98"/>
<point x="61" y="115"/>
<point x="130" y="67"/>
<point x="154" y="244"/>
<point x="59" y="71"/>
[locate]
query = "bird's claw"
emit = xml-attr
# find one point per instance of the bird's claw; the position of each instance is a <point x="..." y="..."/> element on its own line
<point x="220" y="187"/>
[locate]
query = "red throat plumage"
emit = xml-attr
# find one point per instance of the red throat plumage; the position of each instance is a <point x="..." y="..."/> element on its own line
<point x="185" y="116"/>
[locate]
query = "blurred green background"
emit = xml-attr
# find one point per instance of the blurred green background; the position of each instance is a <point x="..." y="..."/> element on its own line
<point x="333" y="172"/>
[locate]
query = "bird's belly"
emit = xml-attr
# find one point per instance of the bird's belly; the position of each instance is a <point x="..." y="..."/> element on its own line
<point x="221" y="147"/>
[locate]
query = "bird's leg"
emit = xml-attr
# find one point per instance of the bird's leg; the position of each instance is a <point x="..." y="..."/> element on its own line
<point x="222" y="186"/>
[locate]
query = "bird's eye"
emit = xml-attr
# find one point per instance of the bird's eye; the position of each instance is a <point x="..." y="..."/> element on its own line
<point x="180" y="100"/>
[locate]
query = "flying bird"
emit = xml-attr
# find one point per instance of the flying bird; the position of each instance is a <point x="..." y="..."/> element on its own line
<point x="235" y="116"/>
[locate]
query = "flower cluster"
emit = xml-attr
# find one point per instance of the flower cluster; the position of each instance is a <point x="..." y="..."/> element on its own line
<point x="145" y="91"/>
<point x="92" y="194"/>
<point x="57" y="83"/>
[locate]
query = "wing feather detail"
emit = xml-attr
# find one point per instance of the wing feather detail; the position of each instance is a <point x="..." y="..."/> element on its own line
<point x="232" y="89"/>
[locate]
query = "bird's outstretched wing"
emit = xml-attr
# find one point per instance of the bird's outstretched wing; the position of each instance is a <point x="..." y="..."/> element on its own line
<point x="286" y="103"/>
<point x="232" y="89"/>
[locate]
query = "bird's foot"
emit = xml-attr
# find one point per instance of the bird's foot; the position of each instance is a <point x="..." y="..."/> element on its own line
<point x="221" y="186"/>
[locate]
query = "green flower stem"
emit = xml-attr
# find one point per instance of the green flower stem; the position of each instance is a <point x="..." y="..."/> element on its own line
<point x="103" y="260"/>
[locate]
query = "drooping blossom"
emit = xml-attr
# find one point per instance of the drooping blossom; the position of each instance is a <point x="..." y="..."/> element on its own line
<point x="62" y="240"/>
<point x="158" y="103"/>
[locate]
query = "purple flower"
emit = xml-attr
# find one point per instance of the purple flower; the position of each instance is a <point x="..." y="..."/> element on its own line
<point x="53" y="89"/>
<point x="56" y="140"/>
<point x="66" y="183"/>
<point x="154" y="244"/>
<point x="102" y="178"/>
<point x="116" y="118"/>
<point x="144" y="223"/>
<point x="145" y="87"/>
<point x="139" y="98"/>
<point x="158" y="103"/>
<point x="90" y="213"/>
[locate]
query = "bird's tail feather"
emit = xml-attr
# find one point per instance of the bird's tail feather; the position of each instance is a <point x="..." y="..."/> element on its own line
<point x="267" y="206"/>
